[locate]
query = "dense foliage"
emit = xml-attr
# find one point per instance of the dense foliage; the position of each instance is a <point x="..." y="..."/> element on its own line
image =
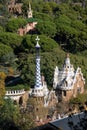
<point x="62" y="27"/>
<point x="2" y="86"/>
<point x="11" y="117"/>
<point x="15" y="23"/>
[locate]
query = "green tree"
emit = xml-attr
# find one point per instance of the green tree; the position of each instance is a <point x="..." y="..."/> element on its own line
<point x="7" y="56"/>
<point x="4" y="50"/>
<point x="1" y="29"/>
<point x="28" y="43"/>
<point x="9" y="59"/>
<point x="4" y="12"/>
<point x="14" y="24"/>
<point x="9" y="111"/>
<point x="79" y="25"/>
<point x="46" y="8"/>
<point x="37" y="5"/>
<point x="11" y="39"/>
<point x="46" y="27"/>
<point x="47" y="44"/>
<point x="42" y="16"/>
<point x="27" y="68"/>
<point x="2" y="86"/>
<point x="70" y="34"/>
<point x="9" y="114"/>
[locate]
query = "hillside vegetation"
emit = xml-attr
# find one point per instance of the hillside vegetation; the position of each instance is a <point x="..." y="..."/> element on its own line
<point x="62" y="28"/>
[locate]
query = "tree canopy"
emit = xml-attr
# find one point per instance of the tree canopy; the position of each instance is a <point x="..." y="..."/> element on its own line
<point x="15" y="23"/>
<point x="11" y="39"/>
<point x="61" y="28"/>
<point x="2" y="87"/>
<point x="28" y="43"/>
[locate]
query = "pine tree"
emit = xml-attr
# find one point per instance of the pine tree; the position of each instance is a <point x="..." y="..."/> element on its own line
<point x="2" y="86"/>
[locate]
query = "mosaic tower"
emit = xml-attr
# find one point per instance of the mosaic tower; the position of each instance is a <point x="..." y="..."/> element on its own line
<point x="38" y="88"/>
<point x="38" y="83"/>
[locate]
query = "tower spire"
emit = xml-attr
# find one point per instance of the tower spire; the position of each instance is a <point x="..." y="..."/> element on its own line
<point x="38" y="88"/>
<point x="38" y="83"/>
<point x="29" y="11"/>
<point x="67" y="60"/>
<point x="29" y="6"/>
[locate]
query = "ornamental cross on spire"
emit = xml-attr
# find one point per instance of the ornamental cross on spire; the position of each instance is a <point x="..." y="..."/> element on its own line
<point x="29" y="6"/>
<point x="37" y="39"/>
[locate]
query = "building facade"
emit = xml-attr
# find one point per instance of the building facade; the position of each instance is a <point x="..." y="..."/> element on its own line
<point x="30" y="26"/>
<point x="14" y="7"/>
<point x="68" y="82"/>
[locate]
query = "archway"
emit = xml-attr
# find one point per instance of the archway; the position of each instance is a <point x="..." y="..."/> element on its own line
<point x="20" y="101"/>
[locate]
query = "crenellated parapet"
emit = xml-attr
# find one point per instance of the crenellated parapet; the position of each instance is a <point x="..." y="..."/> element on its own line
<point x="14" y="92"/>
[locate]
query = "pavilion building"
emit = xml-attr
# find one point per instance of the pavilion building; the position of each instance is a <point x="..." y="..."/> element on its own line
<point x="68" y="82"/>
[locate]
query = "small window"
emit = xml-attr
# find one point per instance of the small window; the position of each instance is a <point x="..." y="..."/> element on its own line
<point x="15" y="102"/>
<point x="78" y="90"/>
<point x="66" y="83"/>
<point x="64" y="93"/>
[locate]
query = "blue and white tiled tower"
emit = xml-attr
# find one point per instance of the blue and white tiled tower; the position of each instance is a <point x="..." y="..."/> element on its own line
<point x="38" y="83"/>
<point x="38" y="88"/>
<point x="40" y="92"/>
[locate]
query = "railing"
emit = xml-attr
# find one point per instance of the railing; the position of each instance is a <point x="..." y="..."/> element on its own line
<point x="14" y="92"/>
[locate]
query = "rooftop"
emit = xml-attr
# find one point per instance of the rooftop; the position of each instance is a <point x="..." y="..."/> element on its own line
<point x="75" y="121"/>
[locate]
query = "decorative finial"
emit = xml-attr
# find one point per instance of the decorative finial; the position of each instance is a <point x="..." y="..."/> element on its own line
<point x="37" y="39"/>
<point x="29" y="11"/>
<point x="29" y="6"/>
<point x="67" y="60"/>
<point x="67" y="55"/>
